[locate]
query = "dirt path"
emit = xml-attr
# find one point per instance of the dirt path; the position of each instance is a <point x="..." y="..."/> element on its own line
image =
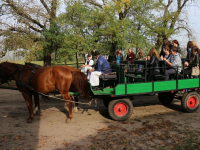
<point x="152" y="126"/>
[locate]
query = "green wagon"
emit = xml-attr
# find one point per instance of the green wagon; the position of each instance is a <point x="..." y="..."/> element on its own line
<point x="116" y="90"/>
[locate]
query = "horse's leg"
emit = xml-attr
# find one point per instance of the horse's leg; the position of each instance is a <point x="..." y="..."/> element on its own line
<point x="69" y="105"/>
<point x="37" y="103"/>
<point x="28" y="98"/>
<point x="76" y="104"/>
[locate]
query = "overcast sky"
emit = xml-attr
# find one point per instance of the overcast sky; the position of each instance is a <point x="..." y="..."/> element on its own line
<point x="194" y="23"/>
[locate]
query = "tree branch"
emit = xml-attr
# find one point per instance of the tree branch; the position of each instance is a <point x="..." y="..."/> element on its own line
<point x="22" y="13"/>
<point x="45" y="6"/>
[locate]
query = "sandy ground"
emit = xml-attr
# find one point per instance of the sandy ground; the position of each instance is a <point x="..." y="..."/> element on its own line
<point x="152" y="126"/>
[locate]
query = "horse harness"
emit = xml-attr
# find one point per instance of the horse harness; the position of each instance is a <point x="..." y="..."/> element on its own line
<point x="20" y="83"/>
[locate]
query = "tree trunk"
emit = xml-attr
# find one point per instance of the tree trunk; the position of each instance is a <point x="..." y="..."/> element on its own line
<point x="47" y="60"/>
<point x="159" y="42"/>
<point x="77" y="60"/>
<point x="112" y="52"/>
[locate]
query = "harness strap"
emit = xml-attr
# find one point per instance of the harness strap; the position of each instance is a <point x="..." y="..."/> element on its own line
<point x="33" y="71"/>
<point x="32" y="89"/>
<point x="19" y="74"/>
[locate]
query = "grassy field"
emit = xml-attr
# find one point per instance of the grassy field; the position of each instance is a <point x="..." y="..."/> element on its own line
<point x="72" y="64"/>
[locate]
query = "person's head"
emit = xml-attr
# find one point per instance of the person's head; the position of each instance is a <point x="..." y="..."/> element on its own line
<point x="194" y="50"/>
<point x="189" y="44"/>
<point x="175" y="43"/>
<point x="194" y="43"/>
<point x="96" y="54"/>
<point x="129" y="50"/>
<point x="148" y="57"/>
<point x="174" y="50"/>
<point x="89" y="56"/>
<point x="165" y="41"/>
<point x="153" y="52"/>
<point x="140" y="52"/>
<point x="118" y="52"/>
<point x="166" y="49"/>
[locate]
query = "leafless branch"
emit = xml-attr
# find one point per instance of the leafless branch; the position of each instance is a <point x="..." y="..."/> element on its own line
<point x="45" y="6"/>
<point x="23" y="14"/>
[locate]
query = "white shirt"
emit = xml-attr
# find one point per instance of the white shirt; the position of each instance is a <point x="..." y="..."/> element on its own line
<point x="91" y="62"/>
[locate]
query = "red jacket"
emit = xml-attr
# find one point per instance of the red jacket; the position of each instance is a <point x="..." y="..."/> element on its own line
<point x="131" y="57"/>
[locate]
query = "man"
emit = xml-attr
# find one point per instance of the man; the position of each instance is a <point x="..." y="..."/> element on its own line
<point x="174" y="61"/>
<point x="102" y="67"/>
<point x="88" y="65"/>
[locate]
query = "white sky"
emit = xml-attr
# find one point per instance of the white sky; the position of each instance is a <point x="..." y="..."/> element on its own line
<point x="194" y="23"/>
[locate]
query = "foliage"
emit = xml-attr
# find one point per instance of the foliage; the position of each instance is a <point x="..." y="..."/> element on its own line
<point x="88" y="25"/>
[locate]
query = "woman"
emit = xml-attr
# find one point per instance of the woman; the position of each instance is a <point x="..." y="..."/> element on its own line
<point x="193" y="66"/>
<point x="166" y="52"/>
<point x="165" y="42"/>
<point x="194" y="43"/>
<point x="140" y="56"/>
<point x="130" y="56"/>
<point x="154" y="63"/>
<point x="176" y="44"/>
<point x="189" y="47"/>
<point x="118" y="56"/>
<point x="88" y="65"/>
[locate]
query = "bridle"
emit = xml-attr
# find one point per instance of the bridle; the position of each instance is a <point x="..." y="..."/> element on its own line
<point x="8" y="77"/>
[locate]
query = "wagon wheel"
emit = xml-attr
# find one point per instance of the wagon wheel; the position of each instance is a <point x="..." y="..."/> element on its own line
<point x="120" y="109"/>
<point x="190" y="102"/>
<point x="166" y="97"/>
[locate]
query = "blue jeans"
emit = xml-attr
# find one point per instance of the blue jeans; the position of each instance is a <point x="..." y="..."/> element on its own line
<point x="139" y="67"/>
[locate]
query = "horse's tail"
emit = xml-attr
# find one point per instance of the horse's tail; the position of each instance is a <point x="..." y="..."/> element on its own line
<point x="80" y="82"/>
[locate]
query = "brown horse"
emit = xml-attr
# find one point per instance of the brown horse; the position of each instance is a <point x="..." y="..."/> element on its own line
<point x="73" y="87"/>
<point x="44" y="80"/>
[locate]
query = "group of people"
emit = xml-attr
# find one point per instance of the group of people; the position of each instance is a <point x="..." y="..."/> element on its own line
<point x="170" y="52"/>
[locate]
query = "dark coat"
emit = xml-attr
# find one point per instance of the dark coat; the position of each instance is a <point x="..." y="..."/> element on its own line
<point x="162" y="53"/>
<point x="102" y="65"/>
<point x="132" y="59"/>
<point x="154" y="63"/>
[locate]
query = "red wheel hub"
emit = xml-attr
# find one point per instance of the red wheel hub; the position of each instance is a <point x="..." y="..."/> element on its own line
<point x="192" y="102"/>
<point x="120" y="109"/>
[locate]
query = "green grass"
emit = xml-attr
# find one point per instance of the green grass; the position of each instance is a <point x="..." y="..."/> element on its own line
<point x="22" y="62"/>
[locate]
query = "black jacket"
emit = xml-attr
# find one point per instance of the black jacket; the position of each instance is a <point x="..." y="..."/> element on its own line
<point x="195" y="62"/>
<point x="154" y="63"/>
<point x="162" y="53"/>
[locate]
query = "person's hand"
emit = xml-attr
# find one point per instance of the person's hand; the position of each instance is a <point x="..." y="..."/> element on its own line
<point x="129" y="57"/>
<point x="186" y="63"/>
<point x="161" y="57"/>
<point x="145" y="58"/>
<point x="164" y="59"/>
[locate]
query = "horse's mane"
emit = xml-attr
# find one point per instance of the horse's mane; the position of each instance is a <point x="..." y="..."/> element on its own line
<point x="79" y="82"/>
<point x="14" y="65"/>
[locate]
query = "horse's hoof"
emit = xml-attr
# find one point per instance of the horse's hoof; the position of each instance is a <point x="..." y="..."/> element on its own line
<point x="75" y="109"/>
<point x="68" y="120"/>
<point x="29" y="121"/>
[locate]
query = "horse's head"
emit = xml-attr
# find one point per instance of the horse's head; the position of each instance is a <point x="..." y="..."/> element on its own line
<point x="3" y="75"/>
